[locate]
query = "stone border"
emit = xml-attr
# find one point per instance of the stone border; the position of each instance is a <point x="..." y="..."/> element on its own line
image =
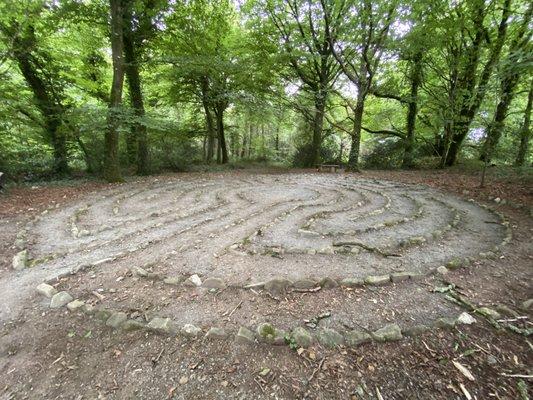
<point x="266" y="333"/>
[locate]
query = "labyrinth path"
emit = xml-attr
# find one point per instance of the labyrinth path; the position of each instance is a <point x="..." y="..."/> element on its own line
<point x="280" y="249"/>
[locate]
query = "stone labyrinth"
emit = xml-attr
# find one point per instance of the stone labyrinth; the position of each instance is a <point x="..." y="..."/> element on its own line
<point x="261" y="256"/>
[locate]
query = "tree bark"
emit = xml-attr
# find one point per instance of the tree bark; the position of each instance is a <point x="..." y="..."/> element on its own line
<point x="412" y="110"/>
<point x="318" y="123"/>
<point x="525" y="131"/>
<point x="210" y="127"/>
<point x="50" y="108"/>
<point x="223" y="151"/>
<point x="138" y="140"/>
<point x="111" y="161"/>
<point x="353" y="159"/>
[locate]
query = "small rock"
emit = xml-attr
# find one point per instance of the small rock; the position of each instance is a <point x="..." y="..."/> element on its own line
<point x="88" y="309"/>
<point x="244" y="336"/>
<point x="488" y="312"/>
<point x="46" y="290"/>
<point x="215" y="333"/>
<point x="193" y="281"/>
<point x="526" y="305"/>
<point x="442" y="270"/>
<point x="116" y="319"/>
<point x="329" y="338"/>
<point x="103" y="315"/>
<point x="491" y="360"/>
<point x="60" y="299"/>
<point x="266" y="332"/>
<point x="183" y="380"/>
<point x="190" y="330"/>
<point x="503" y="309"/>
<point x="305" y="284"/>
<point x="445" y="323"/>
<point x="378" y="280"/>
<point x="352" y="282"/>
<point x="75" y="305"/>
<point x="416" y="330"/>
<point x="497" y="200"/>
<point x="328" y="283"/>
<point x="454" y="264"/>
<point x="131" y="325"/>
<point x="355" y="338"/>
<point x="214" y="283"/>
<point x="173" y="280"/>
<point x="302" y="337"/>
<point x="400" y="276"/>
<point x="138" y="271"/>
<point x="163" y="325"/>
<point x="277" y="286"/>
<point x="20" y="260"/>
<point x="466" y="319"/>
<point x="388" y="333"/>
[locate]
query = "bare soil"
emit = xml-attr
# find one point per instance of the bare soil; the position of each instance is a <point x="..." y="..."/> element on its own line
<point x="248" y="227"/>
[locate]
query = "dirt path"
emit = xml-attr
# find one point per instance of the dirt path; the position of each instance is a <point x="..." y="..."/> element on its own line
<point x="251" y="228"/>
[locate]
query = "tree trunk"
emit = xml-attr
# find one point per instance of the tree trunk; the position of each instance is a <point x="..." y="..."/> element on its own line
<point x="412" y="110"/>
<point x="525" y="132"/>
<point x="139" y="143"/>
<point x="318" y="122"/>
<point x="51" y="110"/>
<point x="210" y="127"/>
<point x="223" y="151"/>
<point x="111" y="161"/>
<point x="353" y="159"/>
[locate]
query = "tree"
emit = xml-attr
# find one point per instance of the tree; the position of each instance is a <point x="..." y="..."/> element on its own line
<point x="302" y="28"/>
<point x="525" y="131"/>
<point x="111" y="162"/>
<point x="358" y="49"/>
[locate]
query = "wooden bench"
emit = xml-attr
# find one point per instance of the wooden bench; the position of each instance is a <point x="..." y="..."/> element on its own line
<point x="328" y="167"/>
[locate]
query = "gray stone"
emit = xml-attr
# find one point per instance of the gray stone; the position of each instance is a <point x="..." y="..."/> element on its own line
<point x="454" y="264"/>
<point x="60" y="299"/>
<point x="193" y="281"/>
<point x="173" y="280"/>
<point x="131" y="325"/>
<point x="190" y="330"/>
<point x="279" y="339"/>
<point x="244" y="336"/>
<point x="46" y="290"/>
<point x="329" y="338"/>
<point x="503" y="309"/>
<point x="102" y="314"/>
<point x="442" y="270"/>
<point x="352" y="282"/>
<point x="305" y="284"/>
<point x="491" y="360"/>
<point x="488" y="312"/>
<point x="88" y="309"/>
<point x="116" y="319"/>
<point x="526" y="305"/>
<point x="277" y="286"/>
<point x="355" y="338"/>
<point x="377" y="280"/>
<point x="388" y="333"/>
<point x="75" y="305"/>
<point x="416" y="330"/>
<point x="266" y="332"/>
<point x="216" y="333"/>
<point x="400" y="276"/>
<point x="138" y="271"/>
<point x="445" y="323"/>
<point x="20" y="260"/>
<point x="163" y="325"/>
<point x="328" y="283"/>
<point x="465" y="319"/>
<point x="214" y="283"/>
<point x="301" y="337"/>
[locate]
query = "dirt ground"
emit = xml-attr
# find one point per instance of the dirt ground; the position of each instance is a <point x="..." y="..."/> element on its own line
<point x="251" y="226"/>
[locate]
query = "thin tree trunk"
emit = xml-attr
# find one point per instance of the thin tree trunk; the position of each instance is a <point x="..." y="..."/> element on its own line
<point x="208" y="119"/>
<point x="412" y="110"/>
<point x="353" y="159"/>
<point x="111" y="161"/>
<point x="138" y="143"/>
<point x="525" y="131"/>
<point x="223" y="151"/>
<point x="318" y="122"/>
